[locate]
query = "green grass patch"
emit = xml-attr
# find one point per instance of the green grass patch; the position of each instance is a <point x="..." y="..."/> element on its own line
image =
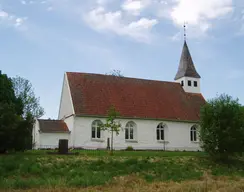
<point x="37" y="169"/>
<point x="104" y="153"/>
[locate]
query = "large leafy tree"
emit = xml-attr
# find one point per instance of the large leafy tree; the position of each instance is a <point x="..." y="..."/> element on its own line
<point x="15" y="123"/>
<point x="222" y="127"/>
<point x="31" y="108"/>
<point x="11" y="109"/>
<point x="23" y="90"/>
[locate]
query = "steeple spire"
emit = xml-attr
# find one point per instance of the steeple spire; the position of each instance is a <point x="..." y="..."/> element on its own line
<point x="184" y="31"/>
<point x="186" y="66"/>
<point x="187" y="74"/>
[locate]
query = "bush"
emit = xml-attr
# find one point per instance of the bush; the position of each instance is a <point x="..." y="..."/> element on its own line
<point x="129" y="148"/>
<point x="222" y="127"/>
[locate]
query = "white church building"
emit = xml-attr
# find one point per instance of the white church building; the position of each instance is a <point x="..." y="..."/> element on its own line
<point x="154" y="114"/>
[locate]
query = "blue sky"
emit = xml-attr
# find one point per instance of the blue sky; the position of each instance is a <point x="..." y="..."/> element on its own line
<point x="41" y="39"/>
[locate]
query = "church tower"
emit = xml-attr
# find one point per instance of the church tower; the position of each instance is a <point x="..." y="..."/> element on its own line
<point x="187" y="75"/>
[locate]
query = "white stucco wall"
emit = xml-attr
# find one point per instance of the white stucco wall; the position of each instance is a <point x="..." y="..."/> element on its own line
<point x="70" y="123"/>
<point x="51" y="140"/>
<point x="66" y="105"/>
<point x="190" y="89"/>
<point x="177" y="135"/>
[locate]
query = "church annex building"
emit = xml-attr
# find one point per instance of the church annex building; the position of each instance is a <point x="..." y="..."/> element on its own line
<point x="154" y="114"/>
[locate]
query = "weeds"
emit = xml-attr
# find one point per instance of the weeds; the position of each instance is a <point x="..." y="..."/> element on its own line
<point x="27" y="171"/>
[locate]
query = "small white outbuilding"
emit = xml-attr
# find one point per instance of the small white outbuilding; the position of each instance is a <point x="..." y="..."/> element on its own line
<point x="46" y="133"/>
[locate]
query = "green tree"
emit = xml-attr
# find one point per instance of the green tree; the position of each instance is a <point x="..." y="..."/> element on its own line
<point x="23" y="133"/>
<point x="222" y="127"/>
<point x="9" y="121"/>
<point x="24" y="91"/>
<point x="111" y="125"/>
<point x="11" y="109"/>
<point x="15" y="126"/>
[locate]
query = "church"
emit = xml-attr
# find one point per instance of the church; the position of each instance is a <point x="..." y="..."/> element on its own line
<point x="155" y="115"/>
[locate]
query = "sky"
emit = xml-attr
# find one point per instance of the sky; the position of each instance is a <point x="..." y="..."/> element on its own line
<point x="43" y="39"/>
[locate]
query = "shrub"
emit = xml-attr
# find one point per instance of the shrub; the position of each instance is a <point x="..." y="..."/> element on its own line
<point x="129" y="148"/>
<point x="222" y="127"/>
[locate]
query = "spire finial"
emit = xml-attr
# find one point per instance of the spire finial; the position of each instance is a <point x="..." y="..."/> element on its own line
<point x="184" y="31"/>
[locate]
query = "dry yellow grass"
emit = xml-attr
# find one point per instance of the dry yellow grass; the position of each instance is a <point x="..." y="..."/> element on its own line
<point x="135" y="184"/>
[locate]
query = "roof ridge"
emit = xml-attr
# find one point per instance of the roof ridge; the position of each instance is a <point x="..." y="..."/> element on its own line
<point x="104" y="75"/>
<point x="50" y="120"/>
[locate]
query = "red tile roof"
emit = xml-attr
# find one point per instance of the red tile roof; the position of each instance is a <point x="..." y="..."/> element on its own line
<point x="93" y="94"/>
<point x="52" y="126"/>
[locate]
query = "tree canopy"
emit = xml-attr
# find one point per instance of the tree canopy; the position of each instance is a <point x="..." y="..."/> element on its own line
<point x="222" y="127"/>
<point x="23" y="90"/>
<point x="15" y="121"/>
<point x="111" y="124"/>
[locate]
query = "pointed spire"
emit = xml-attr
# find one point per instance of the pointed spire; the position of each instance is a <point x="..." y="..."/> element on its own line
<point x="186" y="66"/>
<point x="184" y="31"/>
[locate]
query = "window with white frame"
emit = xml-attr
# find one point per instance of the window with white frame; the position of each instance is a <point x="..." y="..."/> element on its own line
<point x="160" y="132"/>
<point x="96" y="131"/>
<point x="130" y="131"/>
<point x="193" y="133"/>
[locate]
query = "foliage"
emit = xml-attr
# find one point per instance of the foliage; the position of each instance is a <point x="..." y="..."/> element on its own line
<point x="222" y="127"/>
<point x="7" y="95"/>
<point x="25" y="131"/>
<point x="15" y="131"/>
<point x="129" y="148"/>
<point x="111" y="124"/>
<point x="116" y="73"/>
<point x="8" y="124"/>
<point x="10" y="109"/>
<point x="23" y="89"/>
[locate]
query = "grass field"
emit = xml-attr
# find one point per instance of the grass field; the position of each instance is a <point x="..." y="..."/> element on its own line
<point x="125" y="171"/>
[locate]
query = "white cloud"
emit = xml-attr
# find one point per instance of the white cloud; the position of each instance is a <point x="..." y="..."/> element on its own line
<point x="101" y="20"/>
<point x="19" y="21"/>
<point x="23" y="2"/>
<point x="102" y="2"/>
<point x="199" y="12"/>
<point x="131" y="17"/>
<point x="11" y="19"/>
<point x="50" y="8"/>
<point x="135" y="6"/>
<point x="3" y="14"/>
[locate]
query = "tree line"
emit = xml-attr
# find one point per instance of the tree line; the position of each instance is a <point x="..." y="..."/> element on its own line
<point x="18" y="108"/>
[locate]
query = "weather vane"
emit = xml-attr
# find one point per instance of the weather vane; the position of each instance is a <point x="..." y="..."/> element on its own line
<point x="184" y="30"/>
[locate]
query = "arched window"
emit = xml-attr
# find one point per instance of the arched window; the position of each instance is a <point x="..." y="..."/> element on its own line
<point x="193" y="133"/>
<point x="96" y="131"/>
<point x="160" y="131"/>
<point x="130" y="130"/>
